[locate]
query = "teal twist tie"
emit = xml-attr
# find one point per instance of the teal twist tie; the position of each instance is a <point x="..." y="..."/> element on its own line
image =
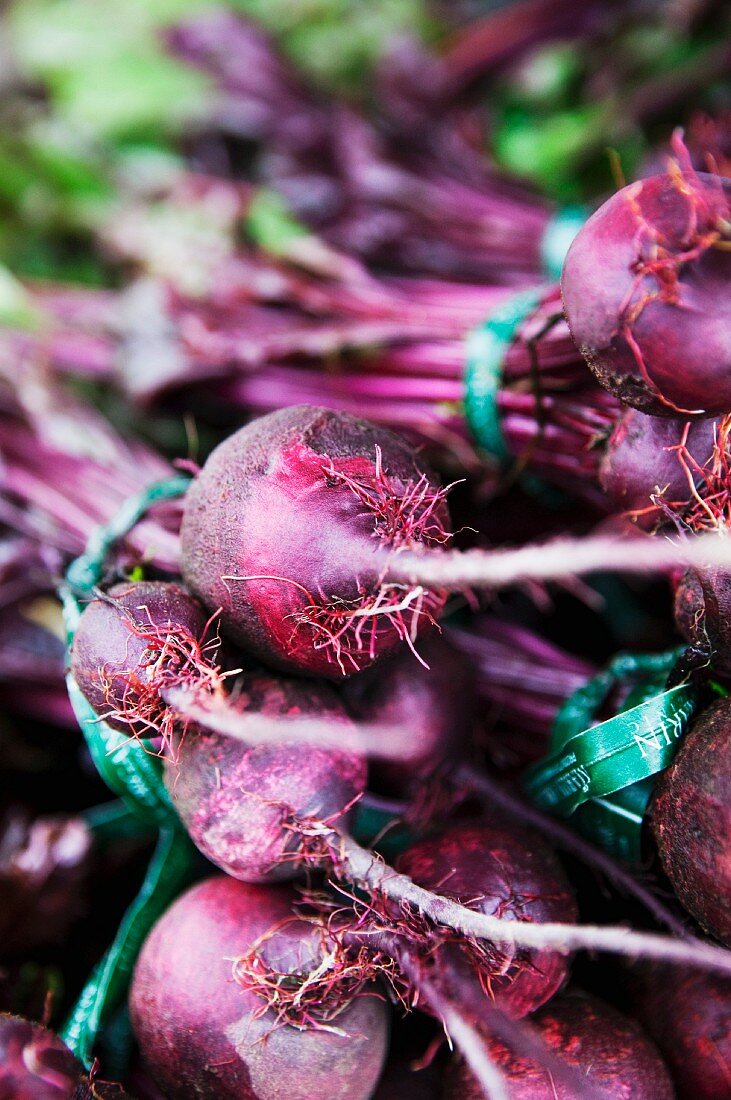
<point x="485" y="351"/>
<point x="558" y="236"/>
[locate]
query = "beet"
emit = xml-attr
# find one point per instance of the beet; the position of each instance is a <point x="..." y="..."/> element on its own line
<point x="130" y="643"/>
<point x="691" y="820"/>
<point x="507" y="872"/>
<point x="688" y="1015"/>
<point x="638" y="463"/>
<point x="703" y="613"/>
<point x="596" y="1041"/>
<point x="274" y="521"/>
<point x="34" y="1063"/>
<point x="202" y="1034"/>
<point x="645" y="291"/>
<point x="436" y="705"/>
<point x="236" y="800"/>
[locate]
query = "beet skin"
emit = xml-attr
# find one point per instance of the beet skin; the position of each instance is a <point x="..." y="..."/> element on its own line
<point x="276" y="523"/>
<point x="703" y="613"/>
<point x="602" y="1046"/>
<point x="236" y="800"/>
<point x="688" y="1014"/>
<point x="118" y="639"/>
<point x="645" y="291"/>
<point x="203" y="1035"/>
<point x="506" y="872"/>
<point x="639" y="463"/>
<point x="34" y="1063"/>
<point x="435" y="707"/>
<point x="691" y="820"/>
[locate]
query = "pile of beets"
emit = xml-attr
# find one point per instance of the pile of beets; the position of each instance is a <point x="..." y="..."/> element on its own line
<point x="336" y="655"/>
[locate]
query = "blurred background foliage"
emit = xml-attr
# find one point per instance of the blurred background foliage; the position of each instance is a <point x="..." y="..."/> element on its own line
<point x="93" y="106"/>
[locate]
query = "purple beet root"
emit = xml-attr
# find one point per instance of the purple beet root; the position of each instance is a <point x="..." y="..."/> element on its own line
<point x="645" y="290"/>
<point x="127" y="647"/>
<point x="691" y="820"/>
<point x="688" y="1014"/>
<point x="239" y="802"/>
<point x="703" y="613"/>
<point x="275" y="521"/>
<point x="639" y="463"/>
<point x="34" y="1063"/>
<point x="509" y="873"/>
<point x="434" y="706"/>
<point x="603" y="1047"/>
<point x="203" y="1034"/>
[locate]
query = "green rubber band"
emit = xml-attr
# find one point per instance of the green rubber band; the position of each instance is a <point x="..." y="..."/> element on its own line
<point x="615" y="822"/>
<point x="115" y="821"/>
<point x="632" y="746"/>
<point x="136" y="777"/>
<point x="134" y="774"/>
<point x="485" y="351"/>
<point x="170" y="870"/>
<point x="557" y="237"/>
<point x="580" y="709"/>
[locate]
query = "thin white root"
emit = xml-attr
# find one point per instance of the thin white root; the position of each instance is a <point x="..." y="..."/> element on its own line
<point x="559" y="559"/>
<point x="368" y="870"/>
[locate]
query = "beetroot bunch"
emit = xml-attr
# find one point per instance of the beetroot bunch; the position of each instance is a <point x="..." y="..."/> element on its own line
<point x="306" y="678"/>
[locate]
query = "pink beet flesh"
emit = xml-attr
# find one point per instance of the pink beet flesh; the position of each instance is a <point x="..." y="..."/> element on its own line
<point x="275" y="525"/>
<point x="606" y="1050"/>
<point x="239" y="802"/>
<point x="202" y="1035"/>
<point x="645" y="290"/>
<point x="507" y="872"/>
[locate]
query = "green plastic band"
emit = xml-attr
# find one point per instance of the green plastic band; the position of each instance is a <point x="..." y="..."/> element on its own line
<point x="615" y="822"/>
<point x="127" y="769"/>
<point x="485" y="351"/>
<point x="603" y="776"/>
<point x="557" y="238"/>
<point x="136" y="777"/>
<point x="580" y="709"/>
<point x="169" y="871"/>
<point x="632" y="746"/>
